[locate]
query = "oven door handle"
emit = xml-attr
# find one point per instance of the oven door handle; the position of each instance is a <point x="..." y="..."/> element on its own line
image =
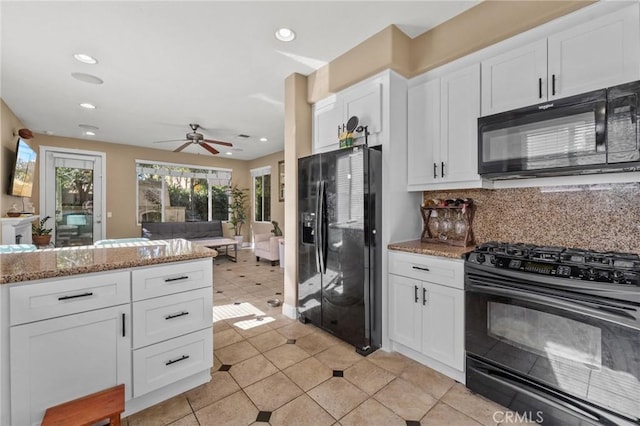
<point x="589" y="308"/>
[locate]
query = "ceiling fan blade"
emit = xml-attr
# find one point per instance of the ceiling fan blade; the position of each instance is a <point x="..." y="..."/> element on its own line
<point x="181" y="147"/>
<point x="218" y="142"/>
<point x="172" y="140"/>
<point x="209" y="148"/>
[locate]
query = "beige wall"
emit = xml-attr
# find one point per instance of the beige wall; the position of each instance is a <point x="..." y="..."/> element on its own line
<point x="120" y="176"/>
<point x="277" y="206"/>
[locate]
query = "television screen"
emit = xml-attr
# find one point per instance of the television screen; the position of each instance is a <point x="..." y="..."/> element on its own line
<point x="21" y="182"/>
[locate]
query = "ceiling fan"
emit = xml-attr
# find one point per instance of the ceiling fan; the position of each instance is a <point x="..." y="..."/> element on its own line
<point x="194" y="137"/>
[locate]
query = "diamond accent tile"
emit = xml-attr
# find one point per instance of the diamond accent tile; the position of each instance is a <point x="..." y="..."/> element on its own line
<point x="338" y="373"/>
<point x="263" y="416"/>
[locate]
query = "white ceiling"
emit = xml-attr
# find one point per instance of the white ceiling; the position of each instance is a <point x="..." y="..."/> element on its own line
<point x="169" y="63"/>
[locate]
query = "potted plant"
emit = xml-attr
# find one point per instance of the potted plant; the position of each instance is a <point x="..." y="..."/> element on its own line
<point x="238" y="208"/>
<point x="40" y="235"/>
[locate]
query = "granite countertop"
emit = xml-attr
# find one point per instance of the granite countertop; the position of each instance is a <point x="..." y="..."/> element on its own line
<point x="431" y="249"/>
<point x="58" y="262"/>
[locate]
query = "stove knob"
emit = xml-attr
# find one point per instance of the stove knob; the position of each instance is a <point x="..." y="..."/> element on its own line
<point x="617" y="276"/>
<point x="480" y="258"/>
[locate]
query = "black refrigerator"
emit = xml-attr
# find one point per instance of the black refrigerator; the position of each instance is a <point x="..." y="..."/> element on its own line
<point x="339" y="253"/>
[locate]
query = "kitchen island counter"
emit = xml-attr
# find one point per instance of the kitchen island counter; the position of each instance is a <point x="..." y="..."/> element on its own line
<point x="431" y="249"/>
<point x="65" y="261"/>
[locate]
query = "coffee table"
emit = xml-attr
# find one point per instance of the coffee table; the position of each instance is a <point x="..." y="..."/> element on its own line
<point x="218" y="243"/>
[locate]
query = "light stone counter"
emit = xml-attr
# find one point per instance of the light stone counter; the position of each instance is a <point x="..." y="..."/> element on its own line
<point x="431" y="249"/>
<point x="58" y="262"/>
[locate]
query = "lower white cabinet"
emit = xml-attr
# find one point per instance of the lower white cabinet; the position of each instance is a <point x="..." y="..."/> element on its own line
<point x="64" y="358"/>
<point x="426" y="319"/>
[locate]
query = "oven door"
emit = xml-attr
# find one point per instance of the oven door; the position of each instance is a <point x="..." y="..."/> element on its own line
<point x="581" y="345"/>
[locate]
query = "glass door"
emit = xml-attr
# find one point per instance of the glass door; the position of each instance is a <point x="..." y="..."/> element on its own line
<point x="73" y="198"/>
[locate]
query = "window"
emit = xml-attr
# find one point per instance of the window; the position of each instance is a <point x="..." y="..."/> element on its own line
<point x="261" y="194"/>
<point x="181" y="193"/>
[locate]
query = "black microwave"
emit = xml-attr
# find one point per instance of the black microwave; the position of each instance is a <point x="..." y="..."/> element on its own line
<point x="588" y="133"/>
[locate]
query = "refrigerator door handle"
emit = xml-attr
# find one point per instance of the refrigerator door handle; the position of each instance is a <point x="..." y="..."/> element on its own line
<point x="316" y="228"/>
<point x="323" y="229"/>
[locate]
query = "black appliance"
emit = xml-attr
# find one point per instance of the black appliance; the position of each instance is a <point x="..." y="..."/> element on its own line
<point x="339" y="253"/>
<point x="582" y="134"/>
<point x="554" y="333"/>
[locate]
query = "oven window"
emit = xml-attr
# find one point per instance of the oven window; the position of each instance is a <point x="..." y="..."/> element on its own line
<point x="545" y="334"/>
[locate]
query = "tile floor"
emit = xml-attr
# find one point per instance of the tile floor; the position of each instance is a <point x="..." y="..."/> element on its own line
<point x="269" y="369"/>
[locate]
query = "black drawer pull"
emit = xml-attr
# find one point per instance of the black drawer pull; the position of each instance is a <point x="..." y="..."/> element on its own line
<point x="184" y="277"/>
<point x="181" y="314"/>
<point x="420" y="268"/>
<point x="553" y="85"/>
<point x="540" y="88"/>
<point x="124" y="326"/>
<point x="173" y="361"/>
<point x="442" y="169"/>
<point x="415" y="292"/>
<point x="435" y="170"/>
<point x="75" y="296"/>
<point x="424" y="296"/>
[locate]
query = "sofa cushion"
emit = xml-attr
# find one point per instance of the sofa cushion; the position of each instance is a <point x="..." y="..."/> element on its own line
<point x="186" y="230"/>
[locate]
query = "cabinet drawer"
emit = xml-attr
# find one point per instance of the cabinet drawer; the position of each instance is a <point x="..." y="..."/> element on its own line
<point x="164" y="363"/>
<point x="162" y="318"/>
<point x="48" y="299"/>
<point x="161" y="280"/>
<point x="439" y="270"/>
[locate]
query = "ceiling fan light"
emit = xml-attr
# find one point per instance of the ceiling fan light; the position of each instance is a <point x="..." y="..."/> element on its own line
<point x="285" y="34"/>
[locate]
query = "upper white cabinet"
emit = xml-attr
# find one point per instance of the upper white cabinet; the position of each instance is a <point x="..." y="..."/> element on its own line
<point x="442" y="130"/>
<point x="364" y="100"/>
<point x="593" y="55"/>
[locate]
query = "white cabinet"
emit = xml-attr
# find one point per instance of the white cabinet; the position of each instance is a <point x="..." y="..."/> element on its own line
<point x="363" y="100"/>
<point x="442" y="131"/>
<point x="599" y="53"/>
<point x="426" y="310"/>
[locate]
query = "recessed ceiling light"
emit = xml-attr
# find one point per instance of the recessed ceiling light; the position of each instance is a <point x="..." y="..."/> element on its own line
<point x="229" y="153"/>
<point x="88" y="127"/>
<point x="85" y="59"/>
<point x="87" y="78"/>
<point x="90" y="133"/>
<point x="285" y="34"/>
<point x="263" y="139"/>
<point x="87" y="105"/>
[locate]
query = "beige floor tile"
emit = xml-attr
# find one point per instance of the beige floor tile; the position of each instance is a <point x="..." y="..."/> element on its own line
<point x="272" y="392"/>
<point x="392" y="361"/>
<point x="427" y="379"/>
<point x="281" y="320"/>
<point x="295" y="330"/>
<point x="372" y="413"/>
<point x="216" y="364"/>
<point x="317" y="342"/>
<point x="475" y="406"/>
<point x="406" y="400"/>
<point x="339" y="357"/>
<point x="234" y="410"/>
<point x="443" y="414"/>
<point x="189" y="420"/>
<point x="220" y="386"/>
<point x="337" y="396"/>
<point x="219" y="326"/>
<point x="268" y="340"/>
<point x="368" y="376"/>
<point x="162" y="414"/>
<point x="236" y="353"/>
<point x="252" y="370"/>
<point x="251" y="327"/>
<point x="302" y="411"/>
<point x="225" y="338"/>
<point x="308" y="373"/>
<point x="286" y="355"/>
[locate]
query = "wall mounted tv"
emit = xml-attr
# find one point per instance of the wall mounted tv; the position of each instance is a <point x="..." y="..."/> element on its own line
<point x="24" y="167"/>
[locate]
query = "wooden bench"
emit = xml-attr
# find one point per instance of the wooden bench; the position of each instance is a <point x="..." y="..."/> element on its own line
<point x="106" y="404"/>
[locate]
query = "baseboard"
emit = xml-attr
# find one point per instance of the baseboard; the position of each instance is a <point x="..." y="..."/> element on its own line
<point x="289" y="311"/>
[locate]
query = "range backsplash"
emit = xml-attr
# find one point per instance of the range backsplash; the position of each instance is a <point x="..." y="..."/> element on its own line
<point x="603" y="217"/>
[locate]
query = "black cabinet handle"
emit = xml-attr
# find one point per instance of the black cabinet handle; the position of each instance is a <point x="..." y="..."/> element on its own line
<point x="553" y="84"/>
<point x="75" y="296"/>
<point x="442" y="169"/>
<point x="421" y="268"/>
<point x="415" y="292"/>
<point x="123" y="326"/>
<point x="173" y="361"/>
<point x="184" y="277"/>
<point x="181" y="314"/>
<point x="435" y="170"/>
<point x="424" y="296"/>
<point x="540" y="87"/>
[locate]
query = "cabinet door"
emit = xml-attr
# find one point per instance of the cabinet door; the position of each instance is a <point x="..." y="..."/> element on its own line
<point x="404" y="311"/>
<point x="327" y="116"/>
<point x="515" y="78"/>
<point x="365" y="102"/>
<point x="460" y="108"/>
<point x="600" y="53"/>
<point x="443" y="324"/>
<point x="423" y="132"/>
<point x="61" y="359"/>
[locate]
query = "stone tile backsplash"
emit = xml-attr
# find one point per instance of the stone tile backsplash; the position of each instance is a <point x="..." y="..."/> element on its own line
<point x="603" y="217"/>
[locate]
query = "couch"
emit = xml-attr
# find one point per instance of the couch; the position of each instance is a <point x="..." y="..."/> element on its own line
<point x="192" y="231"/>
<point x="266" y="247"/>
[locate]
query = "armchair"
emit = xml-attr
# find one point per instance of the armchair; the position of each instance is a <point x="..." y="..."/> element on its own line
<point x="266" y="246"/>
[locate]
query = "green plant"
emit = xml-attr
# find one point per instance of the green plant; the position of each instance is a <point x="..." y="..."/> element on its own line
<point x="238" y="208"/>
<point x="37" y="228"/>
<point x="277" y="232"/>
